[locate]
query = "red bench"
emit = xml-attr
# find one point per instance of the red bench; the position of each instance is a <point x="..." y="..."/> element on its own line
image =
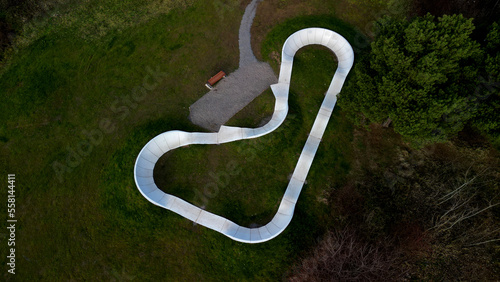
<point x="214" y="79"/>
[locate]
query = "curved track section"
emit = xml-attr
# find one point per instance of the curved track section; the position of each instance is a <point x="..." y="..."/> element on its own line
<point x="156" y="147"/>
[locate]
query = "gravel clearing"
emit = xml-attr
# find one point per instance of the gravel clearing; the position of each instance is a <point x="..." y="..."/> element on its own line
<point x="239" y="88"/>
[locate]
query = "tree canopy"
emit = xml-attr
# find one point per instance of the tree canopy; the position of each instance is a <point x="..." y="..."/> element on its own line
<point x="487" y="93"/>
<point x="424" y="76"/>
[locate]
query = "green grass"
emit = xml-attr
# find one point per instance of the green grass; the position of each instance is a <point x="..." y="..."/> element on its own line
<point x="255" y="114"/>
<point x="246" y="179"/>
<point x="94" y="224"/>
<point x="280" y="33"/>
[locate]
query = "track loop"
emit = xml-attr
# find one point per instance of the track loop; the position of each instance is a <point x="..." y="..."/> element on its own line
<point x="154" y="149"/>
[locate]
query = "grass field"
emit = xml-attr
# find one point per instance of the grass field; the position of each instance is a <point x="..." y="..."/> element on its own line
<point x="72" y="125"/>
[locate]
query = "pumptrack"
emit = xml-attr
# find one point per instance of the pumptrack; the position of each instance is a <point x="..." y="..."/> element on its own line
<point x="159" y="145"/>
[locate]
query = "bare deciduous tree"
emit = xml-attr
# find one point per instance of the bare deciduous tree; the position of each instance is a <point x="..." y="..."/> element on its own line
<point x="461" y="205"/>
<point x="343" y="256"/>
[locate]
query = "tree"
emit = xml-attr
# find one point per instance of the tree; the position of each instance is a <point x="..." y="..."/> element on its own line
<point x="487" y="93"/>
<point x="344" y="256"/>
<point x="421" y="75"/>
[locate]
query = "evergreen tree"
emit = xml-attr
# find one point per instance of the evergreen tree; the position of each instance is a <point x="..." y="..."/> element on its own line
<point x="420" y="74"/>
<point x="487" y="93"/>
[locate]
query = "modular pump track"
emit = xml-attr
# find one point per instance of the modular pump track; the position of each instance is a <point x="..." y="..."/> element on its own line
<point x="156" y="147"/>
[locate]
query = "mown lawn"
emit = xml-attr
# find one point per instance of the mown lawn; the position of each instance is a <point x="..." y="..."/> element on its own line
<point x="80" y="214"/>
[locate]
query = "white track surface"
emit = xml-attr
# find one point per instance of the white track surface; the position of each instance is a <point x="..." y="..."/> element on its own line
<point x="154" y="149"/>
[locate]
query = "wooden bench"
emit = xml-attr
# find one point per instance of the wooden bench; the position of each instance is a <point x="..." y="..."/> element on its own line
<point x="214" y="79"/>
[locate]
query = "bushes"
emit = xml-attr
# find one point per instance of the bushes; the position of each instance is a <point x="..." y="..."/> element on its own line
<point x="439" y="204"/>
<point x="436" y="210"/>
<point x="345" y="256"/>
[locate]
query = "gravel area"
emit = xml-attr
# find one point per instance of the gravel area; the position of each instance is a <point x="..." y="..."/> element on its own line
<point x="239" y="88"/>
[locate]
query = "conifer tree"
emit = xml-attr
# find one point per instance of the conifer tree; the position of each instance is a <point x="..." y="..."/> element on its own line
<point x="421" y="74"/>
